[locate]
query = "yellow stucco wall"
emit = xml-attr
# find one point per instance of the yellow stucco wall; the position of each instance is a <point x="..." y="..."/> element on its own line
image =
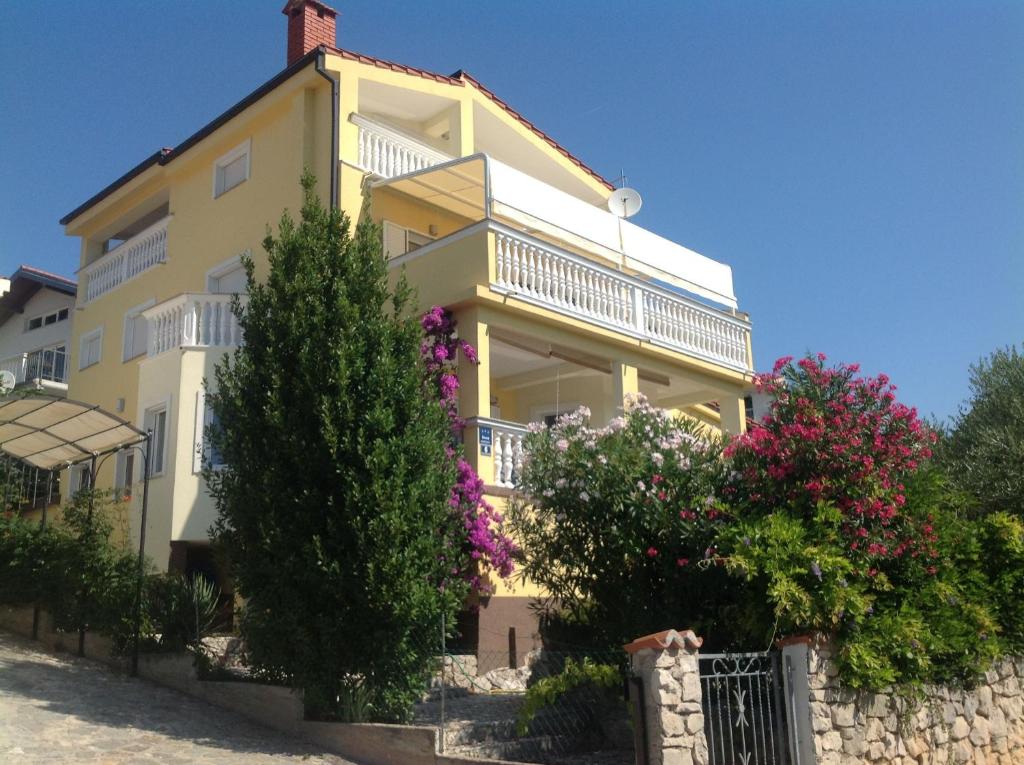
<point x="289" y="128"/>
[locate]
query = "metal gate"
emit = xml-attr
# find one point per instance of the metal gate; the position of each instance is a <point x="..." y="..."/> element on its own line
<point x="744" y="712"/>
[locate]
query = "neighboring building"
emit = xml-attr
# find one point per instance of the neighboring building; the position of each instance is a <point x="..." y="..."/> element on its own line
<point x="566" y="304"/>
<point x="35" y="328"/>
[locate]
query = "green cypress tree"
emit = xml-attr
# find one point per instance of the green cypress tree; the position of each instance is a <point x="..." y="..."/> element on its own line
<point x="334" y="507"/>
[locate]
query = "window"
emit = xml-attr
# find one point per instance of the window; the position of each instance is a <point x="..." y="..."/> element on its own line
<point x="136" y="332"/>
<point x="90" y="348"/>
<point x="80" y="478"/>
<point x="231" y="169"/>
<point x="46" y="319"/>
<point x="228" y="277"/>
<point x="124" y="473"/>
<point x="48" y="364"/>
<point x="399" y="240"/>
<point x="205" y="454"/>
<point x="156" y="422"/>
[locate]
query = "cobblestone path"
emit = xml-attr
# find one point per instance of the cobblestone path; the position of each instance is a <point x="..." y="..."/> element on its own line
<point x="61" y="709"/>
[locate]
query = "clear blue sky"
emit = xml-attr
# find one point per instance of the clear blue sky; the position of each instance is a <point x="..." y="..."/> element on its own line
<point x="860" y="164"/>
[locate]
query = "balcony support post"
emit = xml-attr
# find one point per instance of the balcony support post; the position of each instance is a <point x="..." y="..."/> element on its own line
<point x="734" y="414"/>
<point x="475" y="391"/>
<point x="625" y="381"/>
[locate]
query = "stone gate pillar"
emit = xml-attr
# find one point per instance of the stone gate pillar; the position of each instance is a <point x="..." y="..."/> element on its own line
<point x="667" y="664"/>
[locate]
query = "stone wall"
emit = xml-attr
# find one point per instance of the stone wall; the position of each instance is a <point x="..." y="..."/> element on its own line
<point x="983" y="725"/>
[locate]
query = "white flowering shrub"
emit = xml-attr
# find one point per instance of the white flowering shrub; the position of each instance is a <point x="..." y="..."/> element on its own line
<point x="618" y="523"/>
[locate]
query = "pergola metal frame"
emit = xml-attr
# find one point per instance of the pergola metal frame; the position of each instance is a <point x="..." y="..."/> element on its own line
<point x="63" y="446"/>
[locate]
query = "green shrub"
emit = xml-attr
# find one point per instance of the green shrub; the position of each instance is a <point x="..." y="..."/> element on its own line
<point x="546" y="692"/>
<point x="181" y="610"/>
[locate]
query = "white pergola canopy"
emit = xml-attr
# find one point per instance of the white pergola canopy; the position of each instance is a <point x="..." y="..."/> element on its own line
<point x="478" y="187"/>
<point x="53" y="433"/>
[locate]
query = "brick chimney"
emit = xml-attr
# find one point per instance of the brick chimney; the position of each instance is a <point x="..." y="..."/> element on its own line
<point x="310" y="23"/>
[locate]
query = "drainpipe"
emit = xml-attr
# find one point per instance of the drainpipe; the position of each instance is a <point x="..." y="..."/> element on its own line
<point x="321" y="56"/>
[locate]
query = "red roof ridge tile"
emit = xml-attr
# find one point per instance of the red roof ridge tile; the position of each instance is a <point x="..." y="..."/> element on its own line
<point x="665" y="640"/>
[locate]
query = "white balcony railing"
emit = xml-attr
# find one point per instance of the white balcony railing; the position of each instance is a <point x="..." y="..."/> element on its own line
<point x="146" y="249"/>
<point x="557" y="279"/>
<point x="16" y="365"/>
<point x="47" y="364"/>
<point x="506" y="448"/>
<point x="387" y="152"/>
<point x="194" y="320"/>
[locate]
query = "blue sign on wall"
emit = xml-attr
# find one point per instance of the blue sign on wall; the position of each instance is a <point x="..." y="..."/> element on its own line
<point x="485" y="441"/>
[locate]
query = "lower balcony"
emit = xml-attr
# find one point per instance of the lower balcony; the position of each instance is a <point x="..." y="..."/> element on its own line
<point x="46" y="369"/>
<point x="536" y="378"/>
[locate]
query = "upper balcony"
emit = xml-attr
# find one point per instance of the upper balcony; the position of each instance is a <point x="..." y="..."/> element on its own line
<point x="141" y="252"/>
<point x="554" y="250"/>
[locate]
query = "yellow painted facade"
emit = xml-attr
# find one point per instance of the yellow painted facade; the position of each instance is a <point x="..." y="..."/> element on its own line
<point x="535" y="360"/>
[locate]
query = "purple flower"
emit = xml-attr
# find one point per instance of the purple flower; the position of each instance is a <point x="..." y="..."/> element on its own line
<point x="816" y="570"/>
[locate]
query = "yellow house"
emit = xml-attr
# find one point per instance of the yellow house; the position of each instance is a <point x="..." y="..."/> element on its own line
<point x="566" y="303"/>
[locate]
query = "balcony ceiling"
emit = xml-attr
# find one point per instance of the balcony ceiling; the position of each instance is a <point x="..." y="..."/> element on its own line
<point x="507" y="360"/>
<point x="400" y="103"/>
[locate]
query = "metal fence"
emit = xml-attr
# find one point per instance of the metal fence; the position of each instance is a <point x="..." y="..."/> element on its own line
<point x="532" y="707"/>
<point x="744" y="718"/>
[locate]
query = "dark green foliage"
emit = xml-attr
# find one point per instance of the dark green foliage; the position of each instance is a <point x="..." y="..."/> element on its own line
<point x="334" y="506"/>
<point x="984" y="450"/>
<point x="74" y="570"/>
<point x="183" y="610"/>
<point x="97" y="585"/>
<point x="1001" y="556"/>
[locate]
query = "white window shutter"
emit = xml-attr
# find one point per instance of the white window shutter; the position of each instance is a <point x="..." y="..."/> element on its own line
<point x="395" y="240"/>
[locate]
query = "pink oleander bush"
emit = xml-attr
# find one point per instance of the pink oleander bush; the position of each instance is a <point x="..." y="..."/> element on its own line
<point x="619" y="522"/>
<point x="490" y="548"/>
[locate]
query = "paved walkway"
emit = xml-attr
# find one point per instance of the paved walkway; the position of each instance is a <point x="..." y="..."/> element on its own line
<point x="62" y="709"/>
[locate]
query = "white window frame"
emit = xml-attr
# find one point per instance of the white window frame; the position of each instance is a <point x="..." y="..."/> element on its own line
<point x="243" y="149"/>
<point x="85" y="338"/>
<point x="223" y="269"/>
<point x="128" y="332"/>
<point x="200" y="449"/>
<point x="43" y="317"/>
<point x="78" y="472"/>
<point x="150" y="412"/>
<point x="123" y="481"/>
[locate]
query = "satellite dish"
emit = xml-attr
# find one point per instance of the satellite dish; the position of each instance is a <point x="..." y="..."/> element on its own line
<point x="7" y="382"/>
<point x="625" y="202"/>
